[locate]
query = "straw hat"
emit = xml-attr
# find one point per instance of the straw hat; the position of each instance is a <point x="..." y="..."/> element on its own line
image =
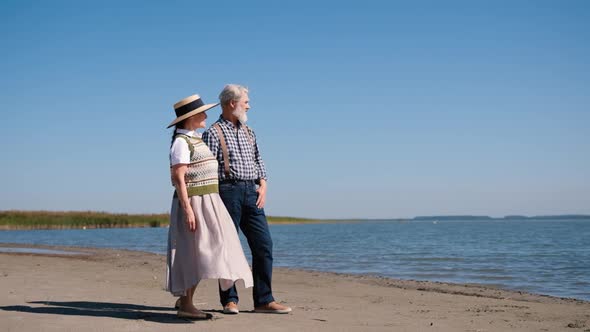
<point x="188" y="107"/>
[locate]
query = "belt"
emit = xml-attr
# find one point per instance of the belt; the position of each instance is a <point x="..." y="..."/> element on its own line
<point x="234" y="181"/>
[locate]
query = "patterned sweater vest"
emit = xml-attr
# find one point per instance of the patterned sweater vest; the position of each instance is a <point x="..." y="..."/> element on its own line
<point x="201" y="174"/>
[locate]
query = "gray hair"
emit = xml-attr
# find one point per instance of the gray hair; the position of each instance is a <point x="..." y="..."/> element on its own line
<point x="232" y="92"/>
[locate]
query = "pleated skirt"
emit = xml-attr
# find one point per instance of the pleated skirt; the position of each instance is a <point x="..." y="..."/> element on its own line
<point x="213" y="251"/>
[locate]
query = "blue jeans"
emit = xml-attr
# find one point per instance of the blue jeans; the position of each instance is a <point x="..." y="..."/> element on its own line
<point x="240" y="200"/>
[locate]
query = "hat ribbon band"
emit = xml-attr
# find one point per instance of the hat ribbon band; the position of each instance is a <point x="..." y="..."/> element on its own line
<point x="193" y="105"/>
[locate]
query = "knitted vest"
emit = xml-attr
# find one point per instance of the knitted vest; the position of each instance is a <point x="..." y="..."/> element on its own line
<point x="201" y="174"/>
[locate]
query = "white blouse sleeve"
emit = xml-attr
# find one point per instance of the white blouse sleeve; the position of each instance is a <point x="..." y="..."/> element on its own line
<point x="179" y="152"/>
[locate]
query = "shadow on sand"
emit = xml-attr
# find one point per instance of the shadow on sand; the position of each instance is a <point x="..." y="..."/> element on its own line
<point x="102" y="309"/>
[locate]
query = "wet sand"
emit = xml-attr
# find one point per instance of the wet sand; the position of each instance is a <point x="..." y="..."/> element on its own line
<point x="115" y="290"/>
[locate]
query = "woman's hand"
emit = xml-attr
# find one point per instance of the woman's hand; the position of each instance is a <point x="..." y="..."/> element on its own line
<point x="191" y="221"/>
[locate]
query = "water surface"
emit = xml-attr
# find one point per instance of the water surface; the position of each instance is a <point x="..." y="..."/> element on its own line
<point x="546" y="257"/>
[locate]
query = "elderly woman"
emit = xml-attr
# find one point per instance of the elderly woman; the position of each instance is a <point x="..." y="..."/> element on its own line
<point x="202" y="240"/>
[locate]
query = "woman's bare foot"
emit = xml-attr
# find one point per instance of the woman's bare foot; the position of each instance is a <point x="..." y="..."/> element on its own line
<point x="191" y="312"/>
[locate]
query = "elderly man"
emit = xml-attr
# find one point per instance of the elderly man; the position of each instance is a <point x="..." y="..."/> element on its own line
<point x="242" y="187"/>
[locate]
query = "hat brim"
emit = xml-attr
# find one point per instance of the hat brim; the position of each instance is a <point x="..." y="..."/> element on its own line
<point x="191" y="113"/>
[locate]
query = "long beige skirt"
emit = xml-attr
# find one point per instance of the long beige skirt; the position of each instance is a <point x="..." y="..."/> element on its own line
<point x="213" y="251"/>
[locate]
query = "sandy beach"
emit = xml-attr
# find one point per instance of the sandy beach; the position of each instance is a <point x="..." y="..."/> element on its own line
<point x="113" y="290"/>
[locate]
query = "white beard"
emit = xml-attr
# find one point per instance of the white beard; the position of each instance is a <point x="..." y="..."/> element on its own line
<point x="240" y="113"/>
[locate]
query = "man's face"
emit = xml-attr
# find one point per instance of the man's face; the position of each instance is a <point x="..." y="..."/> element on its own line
<point x="241" y="107"/>
<point x="244" y="103"/>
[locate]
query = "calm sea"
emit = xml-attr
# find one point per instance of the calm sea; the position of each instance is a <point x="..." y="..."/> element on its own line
<point x="546" y="257"/>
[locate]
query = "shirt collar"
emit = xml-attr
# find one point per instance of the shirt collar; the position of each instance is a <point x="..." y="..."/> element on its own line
<point x="191" y="133"/>
<point x="226" y="122"/>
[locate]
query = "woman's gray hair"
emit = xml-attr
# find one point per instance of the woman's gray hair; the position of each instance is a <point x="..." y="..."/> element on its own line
<point x="232" y="92"/>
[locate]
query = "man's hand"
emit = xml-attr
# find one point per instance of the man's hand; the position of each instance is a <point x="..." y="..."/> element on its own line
<point x="261" y="194"/>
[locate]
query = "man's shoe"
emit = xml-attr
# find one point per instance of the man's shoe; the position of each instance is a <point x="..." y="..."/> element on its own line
<point x="231" y="308"/>
<point x="177" y="304"/>
<point x="272" y="308"/>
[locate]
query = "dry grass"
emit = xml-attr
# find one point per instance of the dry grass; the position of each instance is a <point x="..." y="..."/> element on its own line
<point x="89" y="219"/>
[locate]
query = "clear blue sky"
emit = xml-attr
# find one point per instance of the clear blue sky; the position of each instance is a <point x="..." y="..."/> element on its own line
<point x="369" y="110"/>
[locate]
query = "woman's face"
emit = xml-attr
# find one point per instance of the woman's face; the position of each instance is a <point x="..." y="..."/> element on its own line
<point x="197" y="121"/>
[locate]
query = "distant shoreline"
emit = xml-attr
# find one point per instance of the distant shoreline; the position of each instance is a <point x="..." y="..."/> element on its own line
<point x="30" y="220"/>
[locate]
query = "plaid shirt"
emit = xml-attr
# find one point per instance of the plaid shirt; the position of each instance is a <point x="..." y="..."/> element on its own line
<point x="245" y="162"/>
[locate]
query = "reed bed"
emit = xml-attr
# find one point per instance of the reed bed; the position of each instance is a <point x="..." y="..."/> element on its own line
<point x="10" y="220"/>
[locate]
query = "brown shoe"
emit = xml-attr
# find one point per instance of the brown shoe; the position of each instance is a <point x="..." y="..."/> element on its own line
<point x="177" y="304"/>
<point x="272" y="308"/>
<point x="231" y="308"/>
